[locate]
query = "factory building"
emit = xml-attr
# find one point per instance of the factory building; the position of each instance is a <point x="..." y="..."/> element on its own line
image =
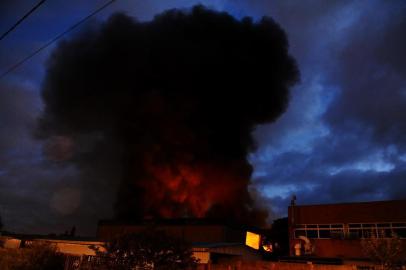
<point x="336" y="230"/>
<point x="211" y="241"/>
<point x="188" y="230"/>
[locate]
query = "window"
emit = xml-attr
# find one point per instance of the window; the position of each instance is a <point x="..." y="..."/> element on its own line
<point x="312" y="233"/>
<point x="401" y="232"/>
<point x="300" y="233"/>
<point x="353" y="231"/>
<point x="323" y="231"/>
<point x="324" y="234"/>
<point x="382" y="230"/>
<point x="369" y="232"/>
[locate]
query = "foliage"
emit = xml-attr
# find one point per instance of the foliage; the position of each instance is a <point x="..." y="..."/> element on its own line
<point x="148" y="250"/>
<point x="38" y="256"/>
<point x="386" y="252"/>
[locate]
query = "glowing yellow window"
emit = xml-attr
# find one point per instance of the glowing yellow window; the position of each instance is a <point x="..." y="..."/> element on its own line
<point x="253" y="240"/>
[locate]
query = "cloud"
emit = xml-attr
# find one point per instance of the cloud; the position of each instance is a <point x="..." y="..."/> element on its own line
<point x="371" y="78"/>
<point x="33" y="188"/>
<point x="342" y="136"/>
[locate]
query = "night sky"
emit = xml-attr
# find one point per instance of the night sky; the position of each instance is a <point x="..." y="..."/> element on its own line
<point x="340" y="140"/>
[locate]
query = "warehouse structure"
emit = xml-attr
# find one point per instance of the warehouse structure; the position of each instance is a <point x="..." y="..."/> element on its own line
<point x="336" y="230"/>
<point x="212" y="241"/>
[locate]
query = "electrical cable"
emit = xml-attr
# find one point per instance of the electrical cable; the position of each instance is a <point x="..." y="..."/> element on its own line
<point x="22" y="19"/>
<point x="22" y="61"/>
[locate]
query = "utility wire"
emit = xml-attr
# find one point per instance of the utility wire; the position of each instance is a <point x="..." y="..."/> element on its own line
<point x="22" y="61"/>
<point x="22" y="19"/>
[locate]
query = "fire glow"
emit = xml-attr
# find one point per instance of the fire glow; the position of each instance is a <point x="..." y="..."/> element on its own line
<point x="190" y="191"/>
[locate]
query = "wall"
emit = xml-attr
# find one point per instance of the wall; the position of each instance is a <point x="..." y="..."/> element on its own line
<point x="275" y="266"/>
<point x="189" y="233"/>
<point x="344" y="213"/>
<point x="367" y="212"/>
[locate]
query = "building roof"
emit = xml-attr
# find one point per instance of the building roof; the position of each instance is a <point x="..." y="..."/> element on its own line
<point x="49" y="237"/>
<point x="178" y="222"/>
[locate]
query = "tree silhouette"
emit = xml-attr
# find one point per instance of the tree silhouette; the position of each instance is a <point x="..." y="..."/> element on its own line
<point x="37" y="256"/>
<point x="385" y="251"/>
<point x="150" y="249"/>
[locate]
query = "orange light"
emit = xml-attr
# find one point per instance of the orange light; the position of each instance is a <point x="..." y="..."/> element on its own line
<point x="253" y="240"/>
<point x="267" y="247"/>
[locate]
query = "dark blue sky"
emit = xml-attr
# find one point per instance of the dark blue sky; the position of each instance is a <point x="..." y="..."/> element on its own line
<point x="341" y="139"/>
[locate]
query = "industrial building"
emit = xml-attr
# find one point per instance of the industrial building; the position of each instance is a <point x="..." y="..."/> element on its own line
<point x="212" y="241"/>
<point x="336" y="230"/>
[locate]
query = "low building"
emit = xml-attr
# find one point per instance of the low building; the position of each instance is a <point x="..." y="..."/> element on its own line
<point x="188" y="230"/>
<point x="211" y="241"/>
<point x="74" y="246"/>
<point x="336" y="230"/>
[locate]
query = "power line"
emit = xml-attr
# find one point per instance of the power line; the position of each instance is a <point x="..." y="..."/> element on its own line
<point x="13" y="67"/>
<point x="22" y="19"/>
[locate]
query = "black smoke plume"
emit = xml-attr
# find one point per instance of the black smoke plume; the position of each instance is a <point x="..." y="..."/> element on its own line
<point x="169" y="105"/>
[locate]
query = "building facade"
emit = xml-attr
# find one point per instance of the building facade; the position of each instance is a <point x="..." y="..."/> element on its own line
<point x="336" y="230"/>
<point x="188" y="230"/>
<point x="211" y="241"/>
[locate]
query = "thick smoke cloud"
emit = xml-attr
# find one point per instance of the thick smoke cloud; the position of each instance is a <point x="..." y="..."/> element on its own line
<point x="166" y="109"/>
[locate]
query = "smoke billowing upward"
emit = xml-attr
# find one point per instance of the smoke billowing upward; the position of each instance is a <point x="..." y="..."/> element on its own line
<point x="170" y="104"/>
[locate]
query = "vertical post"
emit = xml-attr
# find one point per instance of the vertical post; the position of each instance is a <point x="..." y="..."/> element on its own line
<point x="291" y="225"/>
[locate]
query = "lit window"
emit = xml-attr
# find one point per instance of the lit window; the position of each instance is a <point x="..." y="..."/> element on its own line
<point x="253" y="240"/>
